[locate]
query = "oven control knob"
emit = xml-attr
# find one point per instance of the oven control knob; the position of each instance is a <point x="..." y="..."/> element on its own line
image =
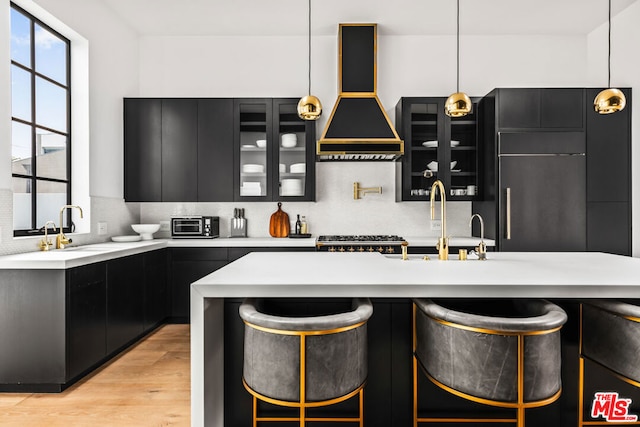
<point x="360" y="249"/>
<point x="332" y="249"/>
<point x="370" y="249"/>
<point x="341" y="249"/>
<point x="380" y="249"/>
<point x="390" y="250"/>
<point x="351" y="249"/>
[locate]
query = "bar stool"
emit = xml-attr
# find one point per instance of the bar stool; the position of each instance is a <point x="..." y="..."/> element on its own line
<point x="610" y="337"/>
<point x="509" y="360"/>
<point x="305" y="362"/>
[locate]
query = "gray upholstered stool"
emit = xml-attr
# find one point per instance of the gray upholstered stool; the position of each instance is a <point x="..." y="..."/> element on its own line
<point x="610" y="337"/>
<point x="509" y="360"/>
<point x="305" y="362"/>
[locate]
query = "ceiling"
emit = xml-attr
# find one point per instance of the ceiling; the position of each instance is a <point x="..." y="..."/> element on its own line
<point x="394" y="17"/>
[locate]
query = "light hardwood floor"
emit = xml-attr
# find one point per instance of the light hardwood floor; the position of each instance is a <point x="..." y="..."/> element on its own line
<point x="148" y="385"/>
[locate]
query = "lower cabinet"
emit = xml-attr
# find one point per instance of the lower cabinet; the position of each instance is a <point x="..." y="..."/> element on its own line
<point x="190" y="264"/>
<point x="86" y="317"/>
<point x="156" y="292"/>
<point x="61" y="324"/>
<point x="187" y="266"/>
<point x="125" y="292"/>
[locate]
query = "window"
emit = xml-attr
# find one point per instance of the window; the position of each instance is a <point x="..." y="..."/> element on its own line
<point x="41" y="122"/>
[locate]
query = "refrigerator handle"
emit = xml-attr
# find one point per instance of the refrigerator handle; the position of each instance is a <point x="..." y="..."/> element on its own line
<point x="508" y="221"/>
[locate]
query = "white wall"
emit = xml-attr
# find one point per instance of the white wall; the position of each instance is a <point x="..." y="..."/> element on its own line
<point x="112" y="75"/>
<point x="407" y="66"/>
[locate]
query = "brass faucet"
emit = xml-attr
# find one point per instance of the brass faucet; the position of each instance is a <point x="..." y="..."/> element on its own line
<point x="443" y="241"/>
<point x="358" y="191"/>
<point x="482" y="248"/>
<point x="61" y="239"/>
<point x="45" y="242"/>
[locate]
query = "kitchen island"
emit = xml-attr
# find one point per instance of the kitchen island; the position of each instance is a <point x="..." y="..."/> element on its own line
<point x="281" y="275"/>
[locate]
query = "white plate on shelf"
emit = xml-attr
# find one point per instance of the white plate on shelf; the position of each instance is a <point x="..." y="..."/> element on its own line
<point x="126" y="238"/>
<point x="456" y="170"/>
<point x="252" y="168"/>
<point x="455" y="143"/>
<point x="249" y="146"/>
<point x="430" y="144"/>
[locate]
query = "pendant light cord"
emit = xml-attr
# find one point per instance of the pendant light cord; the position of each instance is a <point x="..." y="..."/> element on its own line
<point x="458" y="45"/>
<point x="309" y="32"/>
<point x="609" y="55"/>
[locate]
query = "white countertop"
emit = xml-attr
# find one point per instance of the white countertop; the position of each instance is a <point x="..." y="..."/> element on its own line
<point x="75" y="256"/>
<point x="244" y="242"/>
<point x="504" y="274"/>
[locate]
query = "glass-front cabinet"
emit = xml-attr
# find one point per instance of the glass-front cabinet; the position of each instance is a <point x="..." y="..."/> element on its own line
<point x="436" y="147"/>
<point x="276" y="159"/>
<point x="254" y="136"/>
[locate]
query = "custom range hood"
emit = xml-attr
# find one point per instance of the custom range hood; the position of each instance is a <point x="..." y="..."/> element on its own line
<point x="358" y="128"/>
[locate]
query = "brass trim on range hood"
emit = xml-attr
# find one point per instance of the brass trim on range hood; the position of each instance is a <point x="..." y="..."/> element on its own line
<point x="358" y="127"/>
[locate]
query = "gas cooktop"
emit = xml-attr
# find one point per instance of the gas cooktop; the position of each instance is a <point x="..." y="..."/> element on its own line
<point x="360" y="243"/>
<point x="346" y="239"/>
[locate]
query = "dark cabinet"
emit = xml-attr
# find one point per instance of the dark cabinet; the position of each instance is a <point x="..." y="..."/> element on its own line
<point x="190" y="150"/>
<point x="556" y="174"/>
<point x="215" y="150"/>
<point x="274" y="151"/>
<point x="156" y="295"/>
<point x="532" y="108"/>
<point x="178" y="150"/>
<point x="187" y="266"/>
<point x="86" y="317"/>
<point x="142" y="150"/>
<point x="432" y="137"/>
<point x="125" y="284"/>
<point x="608" y="178"/>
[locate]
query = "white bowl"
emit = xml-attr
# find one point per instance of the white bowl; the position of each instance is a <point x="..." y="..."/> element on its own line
<point x="261" y="143"/>
<point x="298" y="168"/>
<point x="289" y="140"/>
<point x="145" y="230"/>
<point x="433" y="166"/>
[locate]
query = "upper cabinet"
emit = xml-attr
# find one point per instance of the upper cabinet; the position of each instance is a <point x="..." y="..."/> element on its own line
<point x="178" y="150"/>
<point x="274" y="151"/>
<point x="531" y="108"/>
<point x="433" y="139"/>
<point x="217" y="150"/>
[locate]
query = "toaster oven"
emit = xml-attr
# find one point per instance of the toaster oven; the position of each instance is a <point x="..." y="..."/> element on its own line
<point x="194" y="227"/>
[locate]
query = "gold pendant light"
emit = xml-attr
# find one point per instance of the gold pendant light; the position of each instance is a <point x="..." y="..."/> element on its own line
<point x="458" y="104"/>
<point x="609" y="100"/>
<point x="309" y="107"/>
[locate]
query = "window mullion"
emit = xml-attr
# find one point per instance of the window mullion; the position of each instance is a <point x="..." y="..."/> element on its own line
<point x="34" y="167"/>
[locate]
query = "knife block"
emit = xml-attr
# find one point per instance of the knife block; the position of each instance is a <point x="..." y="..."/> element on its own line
<point x="238" y="227"/>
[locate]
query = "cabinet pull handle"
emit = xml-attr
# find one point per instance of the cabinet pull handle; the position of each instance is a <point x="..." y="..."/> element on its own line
<point x="508" y="236"/>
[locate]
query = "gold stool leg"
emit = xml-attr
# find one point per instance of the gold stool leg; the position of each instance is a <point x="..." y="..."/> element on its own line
<point x="520" y="413"/>
<point x="580" y="374"/>
<point x="361" y="407"/>
<point x="255" y="412"/>
<point x="415" y="371"/>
